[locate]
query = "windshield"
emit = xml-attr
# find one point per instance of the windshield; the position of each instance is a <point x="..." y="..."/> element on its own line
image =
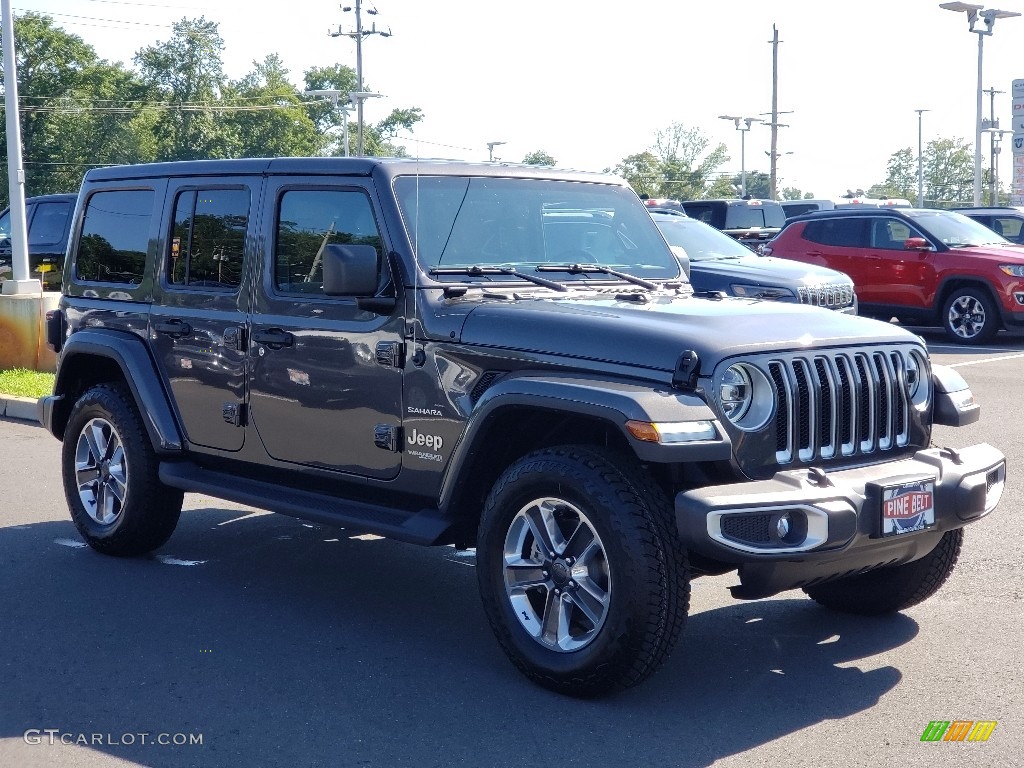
<point x="701" y="241"/>
<point x="954" y="229"/>
<point x="458" y="221"/>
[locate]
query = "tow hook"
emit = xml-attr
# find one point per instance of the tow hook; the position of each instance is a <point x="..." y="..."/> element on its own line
<point x="816" y="476"/>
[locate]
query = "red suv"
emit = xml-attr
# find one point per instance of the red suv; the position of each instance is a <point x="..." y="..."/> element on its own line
<point x="921" y="266"/>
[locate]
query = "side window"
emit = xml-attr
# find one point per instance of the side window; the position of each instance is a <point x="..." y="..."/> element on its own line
<point x="1008" y="228"/>
<point x="208" y="240"/>
<point x="889" y="234"/>
<point x="115" y="237"/>
<point x="844" y="232"/>
<point x="308" y="221"/>
<point x="49" y="224"/>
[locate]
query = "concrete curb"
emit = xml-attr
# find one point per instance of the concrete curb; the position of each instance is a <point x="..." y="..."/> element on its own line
<point x="21" y="408"/>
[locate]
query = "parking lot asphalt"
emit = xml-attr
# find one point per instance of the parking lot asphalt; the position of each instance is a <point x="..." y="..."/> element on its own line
<point x="282" y="643"/>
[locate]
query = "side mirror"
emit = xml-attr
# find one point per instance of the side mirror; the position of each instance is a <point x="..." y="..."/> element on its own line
<point x="354" y="270"/>
<point x="351" y="270"/>
<point x="916" y="244"/>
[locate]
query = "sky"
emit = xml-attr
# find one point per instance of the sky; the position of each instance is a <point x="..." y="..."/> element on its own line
<point x="592" y="81"/>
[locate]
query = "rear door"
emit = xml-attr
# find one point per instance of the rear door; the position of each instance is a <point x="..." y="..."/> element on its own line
<point x="326" y="382"/>
<point x="197" y="323"/>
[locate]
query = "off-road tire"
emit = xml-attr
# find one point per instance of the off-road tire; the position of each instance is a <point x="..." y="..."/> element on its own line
<point x="978" y="303"/>
<point x="646" y="568"/>
<point x="142" y="512"/>
<point x="896" y="588"/>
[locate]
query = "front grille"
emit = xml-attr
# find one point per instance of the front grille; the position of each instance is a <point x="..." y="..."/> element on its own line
<point x="833" y="295"/>
<point x="839" y="405"/>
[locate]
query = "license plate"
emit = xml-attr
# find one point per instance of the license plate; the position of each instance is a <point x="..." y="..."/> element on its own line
<point x="908" y="507"/>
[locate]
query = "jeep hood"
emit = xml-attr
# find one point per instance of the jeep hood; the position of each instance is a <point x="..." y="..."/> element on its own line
<point x="653" y="335"/>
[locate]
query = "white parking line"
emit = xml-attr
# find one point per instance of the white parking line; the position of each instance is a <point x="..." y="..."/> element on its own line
<point x="986" y="360"/>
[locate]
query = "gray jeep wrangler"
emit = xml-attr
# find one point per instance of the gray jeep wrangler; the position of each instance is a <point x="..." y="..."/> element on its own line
<point x="499" y="357"/>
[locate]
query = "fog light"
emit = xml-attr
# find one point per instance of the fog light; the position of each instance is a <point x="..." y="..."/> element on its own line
<point x="782" y="526"/>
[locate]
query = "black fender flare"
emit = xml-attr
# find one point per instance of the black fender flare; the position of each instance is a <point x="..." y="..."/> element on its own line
<point x="613" y="401"/>
<point x="129" y="352"/>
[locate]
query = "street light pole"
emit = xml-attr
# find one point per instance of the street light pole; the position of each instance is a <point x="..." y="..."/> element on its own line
<point x="920" y="160"/>
<point x="742" y="128"/>
<point x="988" y="16"/>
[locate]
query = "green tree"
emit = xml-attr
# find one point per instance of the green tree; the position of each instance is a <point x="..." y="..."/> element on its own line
<point x="947" y="168"/>
<point x="792" y="193"/>
<point x="686" y="175"/>
<point x="677" y="166"/>
<point x="269" y="118"/>
<point x="900" y="177"/>
<point x="539" y="157"/>
<point x="642" y="171"/>
<point x="69" y="101"/>
<point x="949" y="172"/>
<point x="186" y="74"/>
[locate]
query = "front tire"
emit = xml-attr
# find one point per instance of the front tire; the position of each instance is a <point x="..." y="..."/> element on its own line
<point x="969" y="316"/>
<point x="110" y="474"/>
<point x="581" y="572"/>
<point x="896" y="588"/>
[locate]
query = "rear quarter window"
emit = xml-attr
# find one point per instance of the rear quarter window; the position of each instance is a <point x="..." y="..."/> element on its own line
<point x="115" y="236"/>
<point x="849" y="233"/>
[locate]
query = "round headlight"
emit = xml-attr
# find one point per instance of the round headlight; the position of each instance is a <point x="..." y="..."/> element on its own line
<point x="918" y="385"/>
<point x="746" y="396"/>
<point x="735" y="393"/>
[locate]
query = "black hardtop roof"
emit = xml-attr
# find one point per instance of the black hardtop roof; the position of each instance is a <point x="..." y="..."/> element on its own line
<point x="341" y="166"/>
<point x="58" y="197"/>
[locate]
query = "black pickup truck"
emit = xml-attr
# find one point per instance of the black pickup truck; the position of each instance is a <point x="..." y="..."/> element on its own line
<point x="505" y="358"/>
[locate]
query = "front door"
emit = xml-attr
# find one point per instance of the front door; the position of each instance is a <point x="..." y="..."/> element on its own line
<point x="197" y="325"/>
<point x="326" y="386"/>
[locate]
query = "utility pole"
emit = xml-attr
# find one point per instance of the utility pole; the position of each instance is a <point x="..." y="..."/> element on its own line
<point x="773" y="177"/>
<point x="920" y="159"/>
<point x="358" y="36"/>
<point x="992" y="126"/>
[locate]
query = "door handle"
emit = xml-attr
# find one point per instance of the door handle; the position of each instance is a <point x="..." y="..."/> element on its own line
<point x="173" y="327"/>
<point x="273" y="337"/>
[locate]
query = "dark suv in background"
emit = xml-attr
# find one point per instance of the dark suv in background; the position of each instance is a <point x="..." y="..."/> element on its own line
<point x="752" y="222"/>
<point x="921" y="266"/>
<point x="717" y="262"/>
<point x="48" y="220"/>
<point x="1005" y="221"/>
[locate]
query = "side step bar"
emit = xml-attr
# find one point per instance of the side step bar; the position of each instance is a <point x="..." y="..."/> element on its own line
<point x="423" y="527"/>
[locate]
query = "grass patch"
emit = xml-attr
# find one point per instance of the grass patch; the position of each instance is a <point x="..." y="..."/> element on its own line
<point x="20" y="382"/>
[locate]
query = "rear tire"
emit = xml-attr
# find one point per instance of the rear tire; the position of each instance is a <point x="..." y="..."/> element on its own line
<point x="110" y="473"/>
<point x="896" y="588"/>
<point x="581" y="571"/>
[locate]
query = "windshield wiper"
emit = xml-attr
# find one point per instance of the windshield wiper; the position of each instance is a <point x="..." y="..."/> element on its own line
<point x="478" y="271"/>
<point x="579" y="269"/>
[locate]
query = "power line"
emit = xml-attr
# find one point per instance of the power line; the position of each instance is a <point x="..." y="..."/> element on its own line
<point x="92" y="18"/>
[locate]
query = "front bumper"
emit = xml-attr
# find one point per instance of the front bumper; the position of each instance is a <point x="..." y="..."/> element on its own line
<point x="833" y="520"/>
